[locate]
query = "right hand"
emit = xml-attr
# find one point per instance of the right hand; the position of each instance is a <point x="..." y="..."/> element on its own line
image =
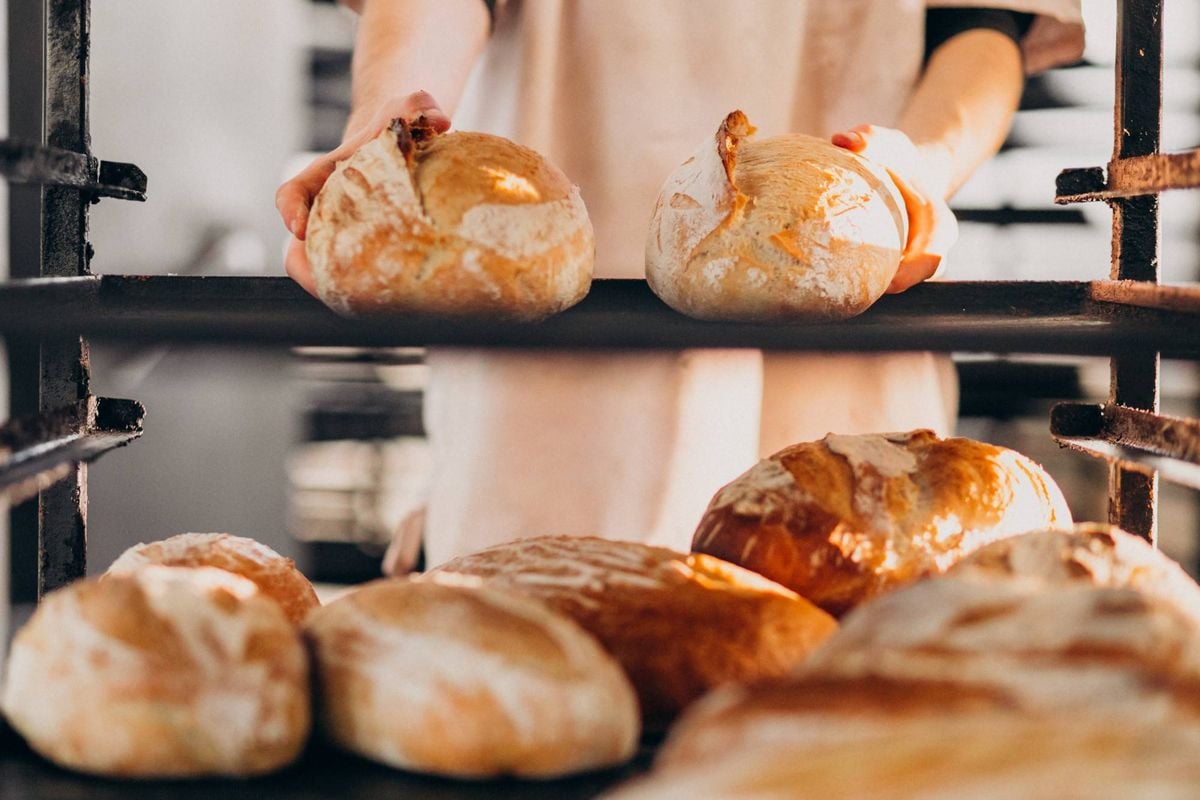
<point x="295" y="197"/>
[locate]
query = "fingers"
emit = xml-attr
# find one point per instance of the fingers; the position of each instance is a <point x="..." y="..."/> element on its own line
<point x="295" y="197"/>
<point x="296" y="264"/>
<point x="934" y="231"/>
<point x="932" y="228"/>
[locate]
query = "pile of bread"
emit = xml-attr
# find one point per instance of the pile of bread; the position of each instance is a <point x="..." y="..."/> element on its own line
<point x="883" y="615"/>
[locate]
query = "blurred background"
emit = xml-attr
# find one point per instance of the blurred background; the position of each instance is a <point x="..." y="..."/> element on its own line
<point x="319" y="453"/>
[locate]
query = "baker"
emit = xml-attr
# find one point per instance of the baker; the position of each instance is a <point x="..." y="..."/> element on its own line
<point x="617" y="93"/>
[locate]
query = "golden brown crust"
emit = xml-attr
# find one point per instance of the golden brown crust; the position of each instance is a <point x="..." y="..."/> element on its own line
<point x="843" y="519"/>
<point x="457" y="223"/>
<point x="983" y="756"/>
<point x="447" y="676"/>
<point x="814" y="708"/>
<point x="168" y="672"/>
<point x="678" y="624"/>
<point x="1090" y="553"/>
<point x="789" y="227"/>
<point x="275" y="576"/>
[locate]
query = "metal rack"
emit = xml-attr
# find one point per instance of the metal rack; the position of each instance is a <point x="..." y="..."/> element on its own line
<point x="46" y="312"/>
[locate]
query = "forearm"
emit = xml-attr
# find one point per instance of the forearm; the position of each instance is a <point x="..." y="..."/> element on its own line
<point x="407" y="45"/>
<point x="963" y="105"/>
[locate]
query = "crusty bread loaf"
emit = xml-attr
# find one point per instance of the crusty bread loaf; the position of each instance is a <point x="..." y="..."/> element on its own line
<point x="848" y="517"/>
<point x="275" y="576"/>
<point x="789" y="227"/>
<point x="813" y="709"/>
<point x="1091" y="553"/>
<point x="167" y="672"/>
<point x="1040" y="624"/>
<point x="678" y="624"/>
<point x="446" y="676"/>
<point x="980" y="756"/>
<point x="457" y="223"/>
<point x="1047" y="647"/>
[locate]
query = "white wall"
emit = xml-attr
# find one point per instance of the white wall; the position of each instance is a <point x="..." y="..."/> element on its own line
<point x="207" y="99"/>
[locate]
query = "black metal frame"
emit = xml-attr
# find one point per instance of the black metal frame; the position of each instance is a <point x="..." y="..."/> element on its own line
<point x="1129" y="318"/>
<point x="1136" y="174"/>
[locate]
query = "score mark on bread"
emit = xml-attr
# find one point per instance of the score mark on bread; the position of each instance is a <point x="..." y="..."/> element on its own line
<point x="785" y="228"/>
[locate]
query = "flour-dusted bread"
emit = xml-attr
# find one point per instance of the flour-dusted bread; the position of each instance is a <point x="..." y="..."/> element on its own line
<point x="1090" y="553"/>
<point x="789" y="227"/>
<point x="446" y="676"/>
<point x="845" y="518"/>
<point x="168" y="672"/>
<point x="275" y="576"/>
<point x="679" y="624"/>
<point x="1041" y="624"/>
<point x="455" y="223"/>
<point x="1046" y="647"/>
<point x="979" y="756"/>
<point x="813" y="709"/>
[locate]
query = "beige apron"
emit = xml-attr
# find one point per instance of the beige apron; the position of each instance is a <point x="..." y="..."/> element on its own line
<point x="618" y="93"/>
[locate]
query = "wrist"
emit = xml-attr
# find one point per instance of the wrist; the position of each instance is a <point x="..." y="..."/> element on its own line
<point x="937" y="168"/>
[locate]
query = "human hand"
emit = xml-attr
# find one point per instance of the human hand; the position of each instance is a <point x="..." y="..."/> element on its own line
<point x="295" y="197"/>
<point x="922" y="176"/>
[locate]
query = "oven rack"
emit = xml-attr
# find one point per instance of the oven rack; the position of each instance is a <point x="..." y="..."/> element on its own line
<point x="55" y="301"/>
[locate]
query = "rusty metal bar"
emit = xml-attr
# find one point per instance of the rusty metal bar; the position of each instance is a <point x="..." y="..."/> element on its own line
<point x="23" y="162"/>
<point x="1142" y="441"/>
<point x="64" y="372"/>
<point x="971" y="316"/>
<point x="1181" y="298"/>
<point x="35" y="452"/>
<point x="1137" y="126"/>
<point x="1130" y="177"/>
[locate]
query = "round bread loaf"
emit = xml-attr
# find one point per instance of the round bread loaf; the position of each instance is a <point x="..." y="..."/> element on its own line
<point x="940" y="757"/>
<point x="449" y="677"/>
<point x="1091" y="553"/>
<point x="168" y="672"/>
<point x="789" y="227"/>
<point x="848" y="517"/>
<point x="456" y="223"/>
<point x="1047" y="647"/>
<point x="814" y="709"/>
<point x="275" y="576"/>
<point x="678" y="624"/>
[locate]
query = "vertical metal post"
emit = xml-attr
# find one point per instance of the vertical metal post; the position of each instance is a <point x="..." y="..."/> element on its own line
<point x="1132" y="495"/>
<point x="64" y="369"/>
<point x="25" y="101"/>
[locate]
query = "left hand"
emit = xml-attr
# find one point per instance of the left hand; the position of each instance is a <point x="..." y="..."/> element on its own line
<point x="920" y="173"/>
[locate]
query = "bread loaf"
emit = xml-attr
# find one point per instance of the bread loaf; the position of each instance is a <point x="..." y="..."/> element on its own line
<point x="1047" y="647"/>
<point x="789" y="227"/>
<point x="167" y="672"/>
<point x="448" y="677"/>
<point x="846" y="518"/>
<point x="275" y="576"/>
<point x="678" y="624"/>
<point x="1090" y="553"/>
<point x="1037" y="625"/>
<point x="456" y="223"/>
<point x="978" y="756"/>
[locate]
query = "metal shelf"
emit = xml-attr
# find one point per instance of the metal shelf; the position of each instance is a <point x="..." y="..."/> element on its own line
<point x="1140" y="440"/>
<point x="37" y="452"/>
<point x="321" y="773"/>
<point x="1000" y="317"/>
